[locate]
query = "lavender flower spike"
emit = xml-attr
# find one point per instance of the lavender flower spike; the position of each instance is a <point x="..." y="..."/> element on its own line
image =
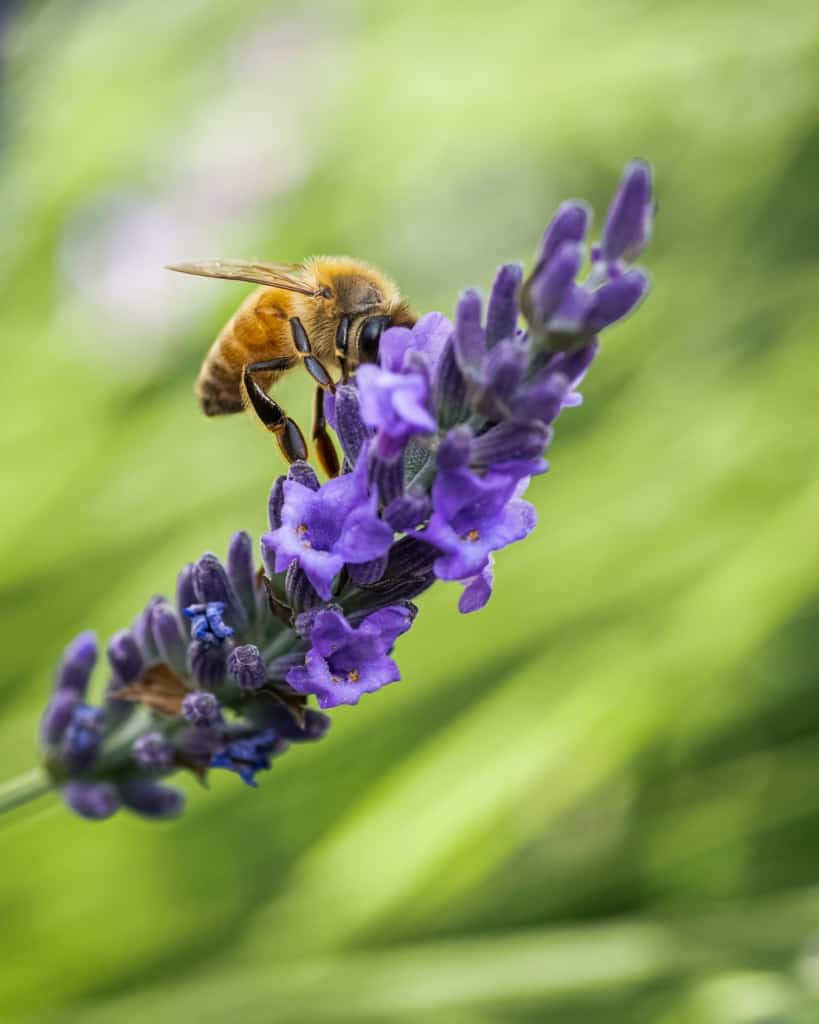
<point x="440" y="437"/>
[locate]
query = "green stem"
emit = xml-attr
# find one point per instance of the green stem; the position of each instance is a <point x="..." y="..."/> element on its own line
<point x="23" y="789"/>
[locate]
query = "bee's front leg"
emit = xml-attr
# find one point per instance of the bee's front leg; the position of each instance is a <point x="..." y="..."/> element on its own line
<point x="314" y="367"/>
<point x="270" y="414"/>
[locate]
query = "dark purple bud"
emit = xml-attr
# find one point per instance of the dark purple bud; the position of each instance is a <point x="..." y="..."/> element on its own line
<point x="509" y="442"/>
<point x="57" y="715"/>
<point x="144" y="633"/>
<point x="212" y="586"/>
<point x="505" y="369"/>
<point x="207" y="662"/>
<point x="569" y="224"/>
<point x="77" y="664"/>
<point x="83" y="737"/>
<point x="615" y="299"/>
<point x="303" y="474"/>
<point x="301" y="594"/>
<point x="367" y="573"/>
<point x="352" y="431"/>
<point x="125" y="657"/>
<point x="470" y="346"/>
<point x="246" y="666"/>
<point x="152" y="751"/>
<point x="502" y="310"/>
<point x="386" y="476"/>
<point x="552" y="281"/>
<point x="185" y="592"/>
<point x="275" y="504"/>
<point x="627" y="230"/>
<point x="455" y="448"/>
<point x="241" y="571"/>
<point x="168" y="637"/>
<point x="450" y="389"/>
<point x="410" y="557"/>
<point x="408" y="511"/>
<point x="150" y="799"/>
<point x="92" y="800"/>
<point x="201" y="708"/>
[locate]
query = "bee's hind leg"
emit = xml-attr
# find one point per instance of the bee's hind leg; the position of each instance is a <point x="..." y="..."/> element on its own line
<point x="325" y="449"/>
<point x="270" y="414"/>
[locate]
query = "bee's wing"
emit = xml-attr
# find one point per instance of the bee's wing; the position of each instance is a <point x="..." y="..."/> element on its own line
<point x="287" y="276"/>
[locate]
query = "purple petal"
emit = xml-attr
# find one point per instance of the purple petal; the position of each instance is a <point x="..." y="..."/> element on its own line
<point x="551" y="284"/>
<point x="395" y="342"/>
<point x="502" y="309"/>
<point x="569" y="224"/>
<point x="470" y="345"/>
<point x="627" y="230"/>
<point x="615" y="299"/>
<point x="477" y="589"/>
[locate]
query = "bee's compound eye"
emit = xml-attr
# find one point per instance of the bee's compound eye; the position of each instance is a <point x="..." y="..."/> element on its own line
<point x="370" y="337"/>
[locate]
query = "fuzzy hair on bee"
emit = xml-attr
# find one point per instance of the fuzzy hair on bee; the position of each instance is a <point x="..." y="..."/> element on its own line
<point x="327" y="314"/>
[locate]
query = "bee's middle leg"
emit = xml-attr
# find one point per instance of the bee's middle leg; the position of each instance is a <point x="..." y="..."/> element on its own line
<point x="270" y="414"/>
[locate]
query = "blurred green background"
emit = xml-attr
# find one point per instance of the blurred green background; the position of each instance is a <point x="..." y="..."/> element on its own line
<point x="598" y="800"/>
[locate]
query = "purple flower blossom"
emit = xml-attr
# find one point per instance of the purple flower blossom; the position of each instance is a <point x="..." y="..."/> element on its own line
<point x="395" y="396"/>
<point x="397" y="404"/>
<point x="473" y="516"/>
<point x="344" y="662"/>
<point x="321" y="530"/>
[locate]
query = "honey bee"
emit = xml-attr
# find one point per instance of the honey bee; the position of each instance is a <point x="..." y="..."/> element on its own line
<point x="326" y="314"/>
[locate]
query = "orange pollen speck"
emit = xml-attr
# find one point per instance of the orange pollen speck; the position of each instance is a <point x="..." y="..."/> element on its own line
<point x="473" y="535"/>
<point x="354" y="676"/>
<point x="301" y="528"/>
